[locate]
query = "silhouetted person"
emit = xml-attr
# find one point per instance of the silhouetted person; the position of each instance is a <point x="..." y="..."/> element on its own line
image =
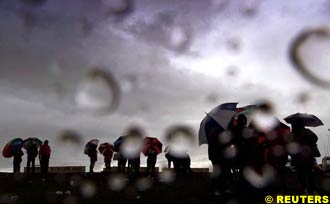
<point x="122" y="160"/>
<point x="134" y="166"/>
<point x="168" y="156"/>
<point x="44" y="155"/>
<point x="107" y="159"/>
<point x="302" y="157"/>
<point x="18" y="160"/>
<point x="32" y="153"/>
<point x="277" y="155"/>
<point x="181" y="164"/>
<point x="92" y="153"/>
<point x="151" y="161"/>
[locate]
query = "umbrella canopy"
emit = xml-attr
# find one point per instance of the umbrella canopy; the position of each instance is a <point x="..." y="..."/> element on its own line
<point x="105" y="146"/>
<point x="11" y="147"/>
<point x="152" y="142"/>
<point x="219" y="118"/>
<point x="118" y="143"/>
<point x="309" y="120"/>
<point x="27" y="143"/>
<point x="91" y="144"/>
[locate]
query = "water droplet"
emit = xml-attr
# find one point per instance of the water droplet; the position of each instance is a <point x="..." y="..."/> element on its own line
<point x="117" y="182"/>
<point x="166" y="176"/>
<point x="278" y="150"/>
<point x="98" y="92"/>
<point x="180" y="139"/>
<point x="303" y="98"/>
<point x="70" y="136"/>
<point x="88" y="189"/>
<point x="309" y="53"/>
<point x="259" y="180"/>
<point x="249" y="7"/>
<point x="233" y="44"/>
<point x="59" y="192"/>
<point x="212" y="98"/>
<point x="119" y="7"/>
<point x="230" y="152"/>
<point x="293" y="148"/>
<point x="178" y="38"/>
<point x="225" y="137"/>
<point x="216" y="171"/>
<point x="144" y="183"/>
<point x="264" y="122"/>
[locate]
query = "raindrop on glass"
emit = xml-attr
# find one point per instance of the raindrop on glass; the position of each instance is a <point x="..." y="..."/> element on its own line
<point x="98" y="92"/>
<point x="119" y="7"/>
<point x="309" y="53"/>
<point x="230" y="152"/>
<point x="259" y="179"/>
<point x="117" y="182"/>
<point x="144" y="183"/>
<point x="179" y="38"/>
<point x="180" y="139"/>
<point x="70" y="136"/>
<point x="264" y="121"/>
<point x="249" y="7"/>
<point x="225" y="137"/>
<point x="88" y="189"/>
<point x="293" y="148"/>
<point x="166" y="176"/>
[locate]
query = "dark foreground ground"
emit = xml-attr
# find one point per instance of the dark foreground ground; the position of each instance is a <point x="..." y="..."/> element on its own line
<point x="115" y="188"/>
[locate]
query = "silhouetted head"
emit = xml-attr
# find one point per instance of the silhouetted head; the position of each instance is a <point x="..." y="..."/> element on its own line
<point x="241" y="120"/>
<point x="46" y="142"/>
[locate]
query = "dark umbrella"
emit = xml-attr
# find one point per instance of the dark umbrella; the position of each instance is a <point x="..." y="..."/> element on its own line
<point x="152" y="142"/>
<point x="105" y="146"/>
<point x="118" y="143"/>
<point x="11" y="147"/>
<point x="91" y="144"/>
<point x="27" y="143"/>
<point x="309" y="120"/>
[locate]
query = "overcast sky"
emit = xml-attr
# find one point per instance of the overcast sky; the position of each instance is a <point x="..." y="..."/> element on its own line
<point x="173" y="61"/>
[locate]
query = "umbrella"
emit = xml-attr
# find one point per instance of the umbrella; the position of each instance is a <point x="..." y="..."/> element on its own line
<point x="27" y="143"/>
<point x="105" y="146"/>
<point x="307" y="119"/>
<point x="118" y="143"/>
<point x="91" y="144"/>
<point x="152" y="142"/>
<point x="11" y="147"/>
<point x="219" y="118"/>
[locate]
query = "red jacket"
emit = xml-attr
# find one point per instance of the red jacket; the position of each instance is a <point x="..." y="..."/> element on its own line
<point x="44" y="151"/>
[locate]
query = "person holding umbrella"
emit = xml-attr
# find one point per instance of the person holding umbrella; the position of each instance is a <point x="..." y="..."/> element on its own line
<point x="31" y="145"/>
<point x="32" y="153"/>
<point x="44" y="155"/>
<point x="119" y="156"/>
<point x="107" y="150"/>
<point x="18" y="160"/>
<point x="151" y="149"/>
<point x="91" y="151"/>
<point x="303" y="148"/>
<point x="13" y="149"/>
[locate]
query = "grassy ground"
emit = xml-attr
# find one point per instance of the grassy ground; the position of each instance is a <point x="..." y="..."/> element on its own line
<point x="84" y="188"/>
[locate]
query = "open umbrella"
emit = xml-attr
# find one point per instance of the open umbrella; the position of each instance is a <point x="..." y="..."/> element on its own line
<point x="118" y="143"/>
<point x="11" y="147"/>
<point x="105" y="146"/>
<point x="27" y="143"/>
<point x="309" y="120"/>
<point x="152" y="142"/>
<point x="219" y="118"/>
<point x="91" y="144"/>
